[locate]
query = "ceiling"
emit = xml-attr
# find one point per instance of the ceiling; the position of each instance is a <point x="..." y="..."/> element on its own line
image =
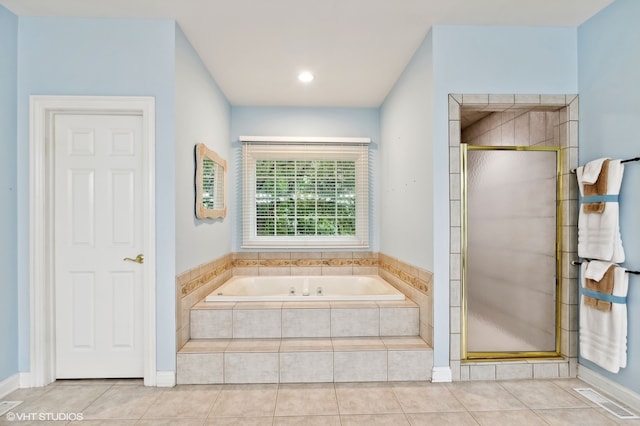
<point x="356" y="49"/>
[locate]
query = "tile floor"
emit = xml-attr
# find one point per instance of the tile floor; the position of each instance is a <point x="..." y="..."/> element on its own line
<point x="127" y="402"/>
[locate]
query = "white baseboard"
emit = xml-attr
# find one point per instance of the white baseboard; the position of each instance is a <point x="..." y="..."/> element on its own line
<point x="9" y="385"/>
<point x="441" y="375"/>
<point x="608" y="386"/>
<point x="165" y="379"/>
<point x="25" y="380"/>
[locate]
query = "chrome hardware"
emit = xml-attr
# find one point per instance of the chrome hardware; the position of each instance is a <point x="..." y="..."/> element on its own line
<point x="139" y="259"/>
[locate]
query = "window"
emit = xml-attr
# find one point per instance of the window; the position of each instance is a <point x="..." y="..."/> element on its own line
<point x="305" y="194"/>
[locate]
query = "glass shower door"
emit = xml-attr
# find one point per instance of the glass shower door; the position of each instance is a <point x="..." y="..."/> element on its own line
<point x="510" y="263"/>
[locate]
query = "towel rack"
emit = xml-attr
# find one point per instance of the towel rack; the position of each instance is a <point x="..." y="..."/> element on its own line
<point x="576" y="263"/>
<point x="629" y="160"/>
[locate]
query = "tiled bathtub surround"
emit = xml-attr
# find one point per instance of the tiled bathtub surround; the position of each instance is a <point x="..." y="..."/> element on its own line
<point x="193" y="285"/>
<point x="270" y="320"/>
<point x="548" y="120"/>
<point x="339" y="342"/>
<point x="294" y="342"/>
<point x="416" y="284"/>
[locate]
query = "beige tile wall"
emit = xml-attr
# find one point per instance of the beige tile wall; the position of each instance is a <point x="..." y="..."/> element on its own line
<point x="305" y="263"/>
<point x="195" y="284"/>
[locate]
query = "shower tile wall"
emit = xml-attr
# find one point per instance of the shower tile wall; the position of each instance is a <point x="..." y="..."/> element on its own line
<point x="517" y="120"/>
<point x="515" y="128"/>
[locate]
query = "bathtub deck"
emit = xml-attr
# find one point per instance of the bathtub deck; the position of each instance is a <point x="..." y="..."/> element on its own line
<point x="276" y="342"/>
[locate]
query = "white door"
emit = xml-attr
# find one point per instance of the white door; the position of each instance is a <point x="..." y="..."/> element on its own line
<point x="98" y="196"/>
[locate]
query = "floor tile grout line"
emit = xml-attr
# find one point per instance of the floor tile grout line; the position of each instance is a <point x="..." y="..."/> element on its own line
<point x="96" y="398"/>
<point x="473" y="417"/>
<point x="157" y="394"/>
<point x="576" y="395"/>
<point x="213" y="403"/>
<point x="524" y="404"/>
<point x="275" y="405"/>
<point x="335" y="393"/>
<point x="550" y="381"/>
<point x="449" y="386"/>
<point x="595" y="409"/>
<point x="542" y="418"/>
<point x="455" y="397"/>
<point x="535" y="411"/>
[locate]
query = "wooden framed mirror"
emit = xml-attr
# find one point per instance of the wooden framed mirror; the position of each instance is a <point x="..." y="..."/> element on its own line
<point x="210" y="181"/>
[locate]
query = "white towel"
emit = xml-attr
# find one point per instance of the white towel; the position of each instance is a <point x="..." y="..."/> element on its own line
<point x="596" y="269"/>
<point x="603" y="335"/>
<point x="591" y="171"/>
<point x="599" y="233"/>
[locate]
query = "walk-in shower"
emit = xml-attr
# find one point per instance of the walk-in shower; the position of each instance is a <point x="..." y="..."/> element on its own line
<point x="510" y="251"/>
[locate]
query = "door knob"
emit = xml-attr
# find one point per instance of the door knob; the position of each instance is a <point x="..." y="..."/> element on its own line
<point x="139" y="259"/>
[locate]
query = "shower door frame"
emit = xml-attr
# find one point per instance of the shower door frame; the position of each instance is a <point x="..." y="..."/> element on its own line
<point x="518" y="355"/>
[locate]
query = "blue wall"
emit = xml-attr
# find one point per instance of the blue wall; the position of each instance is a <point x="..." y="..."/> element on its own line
<point x="8" y="218"/>
<point x="485" y="60"/>
<point x="298" y="121"/>
<point x="295" y="121"/>
<point x="202" y="115"/>
<point x="608" y="82"/>
<point x="406" y="156"/>
<point x="61" y="56"/>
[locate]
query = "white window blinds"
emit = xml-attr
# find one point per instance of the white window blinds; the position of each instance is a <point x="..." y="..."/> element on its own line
<point x="298" y="195"/>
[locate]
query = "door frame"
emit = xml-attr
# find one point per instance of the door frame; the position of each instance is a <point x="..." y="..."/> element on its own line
<point x="42" y="110"/>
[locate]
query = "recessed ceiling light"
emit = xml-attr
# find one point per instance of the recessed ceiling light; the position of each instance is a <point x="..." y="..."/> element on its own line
<point x="305" y="77"/>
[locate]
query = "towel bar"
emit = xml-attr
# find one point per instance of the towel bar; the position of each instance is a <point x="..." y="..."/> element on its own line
<point x="629" y="160"/>
<point x="576" y="263"/>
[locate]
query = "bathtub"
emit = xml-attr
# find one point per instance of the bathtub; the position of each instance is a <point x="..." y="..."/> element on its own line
<point x="304" y="289"/>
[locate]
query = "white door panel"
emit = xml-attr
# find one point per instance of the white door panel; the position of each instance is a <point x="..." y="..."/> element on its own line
<point x="98" y="222"/>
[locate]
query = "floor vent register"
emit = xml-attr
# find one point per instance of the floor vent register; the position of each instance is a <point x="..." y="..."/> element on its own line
<point x="5" y="406"/>
<point x="607" y="404"/>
